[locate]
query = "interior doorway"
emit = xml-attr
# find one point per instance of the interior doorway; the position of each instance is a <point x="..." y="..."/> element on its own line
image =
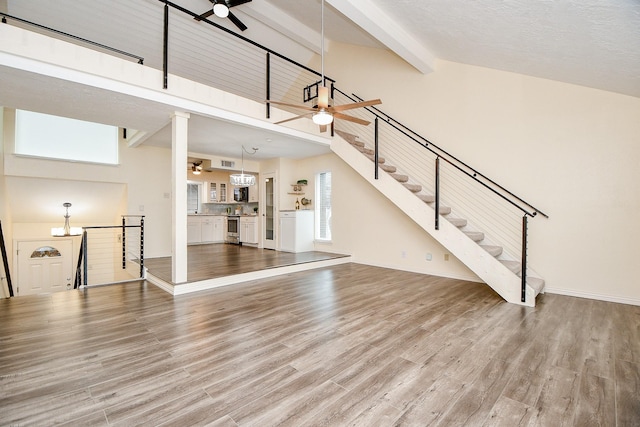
<point x="44" y="266"/>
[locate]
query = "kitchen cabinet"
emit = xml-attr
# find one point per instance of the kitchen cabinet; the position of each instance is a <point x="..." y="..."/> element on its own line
<point x="249" y="229"/>
<point x="253" y="193"/>
<point x="205" y="229"/>
<point x="194" y="229"/>
<point x="296" y="231"/>
<point x="217" y="192"/>
<point x="219" y="228"/>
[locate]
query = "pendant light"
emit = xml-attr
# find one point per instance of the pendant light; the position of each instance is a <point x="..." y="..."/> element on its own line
<point x="66" y="230"/>
<point x="242" y="179"/>
<point x="322" y="117"/>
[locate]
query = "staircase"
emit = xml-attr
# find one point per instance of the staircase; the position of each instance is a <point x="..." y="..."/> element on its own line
<point x="487" y="261"/>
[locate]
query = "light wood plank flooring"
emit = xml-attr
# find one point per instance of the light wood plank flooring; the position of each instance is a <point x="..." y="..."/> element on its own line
<point x="345" y="345"/>
<point x="219" y="260"/>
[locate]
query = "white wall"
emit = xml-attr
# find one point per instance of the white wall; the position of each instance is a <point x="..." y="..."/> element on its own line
<point x="374" y="231"/>
<point x="143" y="173"/>
<point x="572" y="151"/>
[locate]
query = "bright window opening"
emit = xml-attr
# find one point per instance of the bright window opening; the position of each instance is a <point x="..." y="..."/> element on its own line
<point x="53" y="137"/>
<point x="323" y="206"/>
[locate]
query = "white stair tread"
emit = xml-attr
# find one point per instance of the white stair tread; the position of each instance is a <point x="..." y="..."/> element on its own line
<point x="493" y="250"/>
<point x="476" y="236"/>
<point x="514" y="266"/>
<point x="413" y="187"/>
<point x="427" y="198"/>
<point x="536" y="283"/>
<point x="372" y="158"/>
<point x="458" y="222"/>
<point x="399" y="177"/>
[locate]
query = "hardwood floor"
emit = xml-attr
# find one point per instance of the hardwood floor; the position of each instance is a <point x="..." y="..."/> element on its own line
<point x="219" y="260"/>
<point x="345" y="345"/>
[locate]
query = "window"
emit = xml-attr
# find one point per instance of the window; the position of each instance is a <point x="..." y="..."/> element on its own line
<point x="194" y="190"/>
<point x="323" y="206"/>
<point x="54" y="137"/>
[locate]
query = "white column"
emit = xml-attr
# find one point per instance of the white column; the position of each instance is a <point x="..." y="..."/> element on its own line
<point x="179" y="128"/>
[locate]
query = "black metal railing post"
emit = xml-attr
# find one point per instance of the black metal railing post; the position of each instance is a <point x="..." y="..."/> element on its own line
<point x="376" y="154"/>
<point x="77" y="282"/>
<point x="142" y="246"/>
<point x="165" y="48"/>
<point x="5" y="261"/>
<point x="437" y="193"/>
<point x="523" y="295"/>
<point x="268" y="77"/>
<point x="124" y="244"/>
<point x="84" y="255"/>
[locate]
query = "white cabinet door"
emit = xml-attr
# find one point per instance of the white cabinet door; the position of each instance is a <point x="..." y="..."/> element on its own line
<point x="194" y="229"/>
<point x="296" y="231"/>
<point x="249" y="230"/>
<point x="218" y="228"/>
<point x="207" y="230"/>
<point x="253" y="193"/>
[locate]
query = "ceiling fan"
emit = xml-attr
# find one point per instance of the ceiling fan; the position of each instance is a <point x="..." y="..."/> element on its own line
<point x="196" y="167"/>
<point x="323" y="114"/>
<point x="221" y="10"/>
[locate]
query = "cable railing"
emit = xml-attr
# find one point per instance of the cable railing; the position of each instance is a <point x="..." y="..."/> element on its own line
<point x="111" y="254"/>
<point x="235" y="64"/>
<point x="486" y="205"/>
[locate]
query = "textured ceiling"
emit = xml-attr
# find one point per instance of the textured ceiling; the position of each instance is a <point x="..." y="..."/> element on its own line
<point x="595" y="43"/>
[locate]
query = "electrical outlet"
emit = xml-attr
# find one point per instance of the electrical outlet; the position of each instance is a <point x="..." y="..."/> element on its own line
<point x="403" y="254"/>
<point x="428" y="257"/>
<point x="446" y="257"/>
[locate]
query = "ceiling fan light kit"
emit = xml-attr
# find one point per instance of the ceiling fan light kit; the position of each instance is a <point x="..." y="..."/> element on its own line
<point x="322" y="118"/>
<point x="220" y="9"/>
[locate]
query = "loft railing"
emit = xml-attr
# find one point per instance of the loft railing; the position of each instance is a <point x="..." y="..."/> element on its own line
<point x="112" y="253"/>
<point x="233" y="63"/>
<point x="71" y="36"/>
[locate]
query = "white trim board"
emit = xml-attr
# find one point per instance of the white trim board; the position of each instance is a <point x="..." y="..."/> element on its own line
<point x="592" y="295"/>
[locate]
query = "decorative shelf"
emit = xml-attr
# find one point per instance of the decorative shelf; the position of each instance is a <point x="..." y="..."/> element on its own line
<point x="297" y="189"/>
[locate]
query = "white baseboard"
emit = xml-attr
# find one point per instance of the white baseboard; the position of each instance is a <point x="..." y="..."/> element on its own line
<point x="592" y="295"/>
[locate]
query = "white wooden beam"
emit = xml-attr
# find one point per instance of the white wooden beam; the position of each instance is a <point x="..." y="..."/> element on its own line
<point x="284" y="24"/>
<point x="373" y="20"/>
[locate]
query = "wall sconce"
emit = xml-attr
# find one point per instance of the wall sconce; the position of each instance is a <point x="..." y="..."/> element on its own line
<point x="66" y="230"/>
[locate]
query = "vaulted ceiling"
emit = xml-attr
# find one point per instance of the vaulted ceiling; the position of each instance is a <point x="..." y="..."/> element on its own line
<point x="595" y="43"/>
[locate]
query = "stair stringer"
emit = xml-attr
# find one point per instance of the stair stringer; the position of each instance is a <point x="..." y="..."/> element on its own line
<point x="483" y="264"/>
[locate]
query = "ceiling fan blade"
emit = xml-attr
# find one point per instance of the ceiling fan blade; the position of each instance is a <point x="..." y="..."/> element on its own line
<point x="234" y="3"/>
<point x="356" y="105"/>
<point x="292" y="118"/>
<point x="233" y="18"/>
<point x="207" y="14"/>
<point x="301" y="107"/>
<point x="350" y="119"/>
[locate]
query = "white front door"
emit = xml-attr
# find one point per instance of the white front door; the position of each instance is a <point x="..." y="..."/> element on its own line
<point x="44" y="266"/>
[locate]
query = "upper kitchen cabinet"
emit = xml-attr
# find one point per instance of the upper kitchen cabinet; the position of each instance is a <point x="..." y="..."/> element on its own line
<point x="218" y="192"/>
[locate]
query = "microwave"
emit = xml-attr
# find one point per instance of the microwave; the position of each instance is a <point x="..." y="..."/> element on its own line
<point x="241" y="194"/>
